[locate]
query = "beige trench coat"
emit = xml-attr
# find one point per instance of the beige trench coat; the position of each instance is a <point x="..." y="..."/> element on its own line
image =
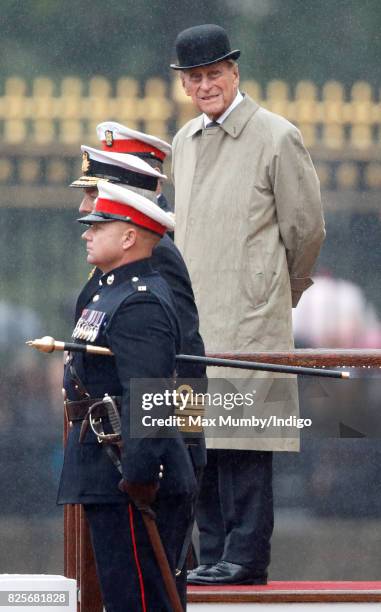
<point x="249" y="224"/>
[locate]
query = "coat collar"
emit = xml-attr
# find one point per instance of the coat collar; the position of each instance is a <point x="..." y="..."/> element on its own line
<point x="131" y="271"/>
<point x="233" y="124"/>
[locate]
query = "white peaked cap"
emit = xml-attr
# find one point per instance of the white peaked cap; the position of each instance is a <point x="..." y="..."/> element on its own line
<point x="118" y="137"/>
<point x="122" y="160"/>
<point x="116" y="167"/>
<point x="115" y="202"/>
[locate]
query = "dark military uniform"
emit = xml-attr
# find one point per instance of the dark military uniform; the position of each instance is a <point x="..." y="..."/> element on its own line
<point x="132" y="312"/>
<point x="167" y="260"/>
<point x="163" y="203"/>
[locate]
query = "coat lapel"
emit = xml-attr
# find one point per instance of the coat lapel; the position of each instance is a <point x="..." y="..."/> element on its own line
<point x="240" y="115"/>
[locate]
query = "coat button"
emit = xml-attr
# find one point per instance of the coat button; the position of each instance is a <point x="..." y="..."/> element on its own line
<point x="135" y="279"/>
<point x="110" y="279"/>
<point x="95" y="298"/>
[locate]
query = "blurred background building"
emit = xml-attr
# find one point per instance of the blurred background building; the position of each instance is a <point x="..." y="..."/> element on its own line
<point x="67" y="66"/>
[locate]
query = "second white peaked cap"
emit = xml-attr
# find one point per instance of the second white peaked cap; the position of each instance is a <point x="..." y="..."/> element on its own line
<point x="116" y="167"/>
<point x="120" y="138"/>
<point x="117" y="203"/>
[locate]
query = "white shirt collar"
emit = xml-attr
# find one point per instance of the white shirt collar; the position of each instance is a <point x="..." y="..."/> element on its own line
<point x="236" y="101"/>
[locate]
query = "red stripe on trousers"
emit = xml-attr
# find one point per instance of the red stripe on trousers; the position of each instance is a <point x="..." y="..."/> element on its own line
<point x="140" y="575"/>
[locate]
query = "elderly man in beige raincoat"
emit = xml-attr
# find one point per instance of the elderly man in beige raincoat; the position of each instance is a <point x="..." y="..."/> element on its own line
<point x="249" y="224"/>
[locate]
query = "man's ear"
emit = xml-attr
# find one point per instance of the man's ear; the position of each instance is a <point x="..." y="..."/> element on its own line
<point x="129" y="238"/>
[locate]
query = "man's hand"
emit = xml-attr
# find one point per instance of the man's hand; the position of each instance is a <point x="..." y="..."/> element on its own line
<point x="142" y="494"/>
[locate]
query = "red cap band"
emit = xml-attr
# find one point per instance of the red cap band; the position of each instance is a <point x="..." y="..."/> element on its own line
<point x="116" y="208"/>
<point x="132" y="146"/>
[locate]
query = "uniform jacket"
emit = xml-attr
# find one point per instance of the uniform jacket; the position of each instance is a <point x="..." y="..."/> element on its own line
<point x="249" y="225"/>
<point x="163" y="203"/>
<point x="167" y="260"/>
<point x="137" y="317"/>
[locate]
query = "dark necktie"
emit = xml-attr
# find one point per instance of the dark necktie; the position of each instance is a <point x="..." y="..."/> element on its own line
<point x="211" y="124"/>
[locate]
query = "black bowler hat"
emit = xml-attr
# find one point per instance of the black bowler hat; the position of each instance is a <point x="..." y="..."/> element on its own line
<point x="203" y="45"/>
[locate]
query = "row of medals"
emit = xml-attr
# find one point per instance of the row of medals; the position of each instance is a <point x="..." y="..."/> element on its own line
<point x="88" y="325"/>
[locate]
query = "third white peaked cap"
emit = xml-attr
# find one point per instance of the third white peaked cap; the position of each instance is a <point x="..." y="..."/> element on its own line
<point x="116" y="136"/>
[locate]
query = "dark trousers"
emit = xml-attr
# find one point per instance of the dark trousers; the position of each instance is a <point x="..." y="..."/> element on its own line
<point x="128" y="573"/>
<point x="235" y="508"/>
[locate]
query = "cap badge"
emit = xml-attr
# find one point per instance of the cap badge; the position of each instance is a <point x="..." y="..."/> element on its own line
<point x="109" y="138"/>
<point x="85" y="162"/>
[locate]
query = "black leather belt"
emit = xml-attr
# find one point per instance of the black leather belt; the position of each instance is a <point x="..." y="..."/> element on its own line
<point x="77" y="410"/>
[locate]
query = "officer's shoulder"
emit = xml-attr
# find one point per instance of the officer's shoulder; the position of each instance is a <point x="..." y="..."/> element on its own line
<point x="143" y="306"/>
<point x="152" y="294"/>
<point x="144" y="286"/>
<point x="166" y="246"/>
<point x="167" y="259"/>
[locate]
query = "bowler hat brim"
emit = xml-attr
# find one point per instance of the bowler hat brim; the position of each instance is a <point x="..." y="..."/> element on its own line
<point x="234" y="55"/>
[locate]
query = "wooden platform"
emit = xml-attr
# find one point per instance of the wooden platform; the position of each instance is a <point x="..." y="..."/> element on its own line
<point x="289" y="592"/>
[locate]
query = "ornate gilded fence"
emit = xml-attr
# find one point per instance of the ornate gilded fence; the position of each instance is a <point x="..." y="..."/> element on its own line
<point x="46" y="112"/>
<point x="43" y="122"/>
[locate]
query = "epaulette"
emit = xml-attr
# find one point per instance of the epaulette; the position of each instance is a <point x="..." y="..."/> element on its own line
<point x="138" y="285"/>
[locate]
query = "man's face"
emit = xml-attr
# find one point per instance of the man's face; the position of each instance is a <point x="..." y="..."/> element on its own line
<point x="105" y="244"/>
<point x="212" y="88"/>
<point x="88" y="200"/>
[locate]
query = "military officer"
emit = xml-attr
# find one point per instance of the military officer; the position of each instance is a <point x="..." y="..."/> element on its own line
<point x="132" y="313"/>
<point x="120" y="166"/>
<point x="124" y="167"/>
